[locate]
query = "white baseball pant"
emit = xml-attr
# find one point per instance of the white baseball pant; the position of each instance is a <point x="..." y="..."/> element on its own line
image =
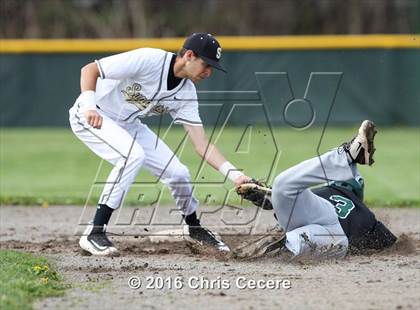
<point x="128" y="146"/>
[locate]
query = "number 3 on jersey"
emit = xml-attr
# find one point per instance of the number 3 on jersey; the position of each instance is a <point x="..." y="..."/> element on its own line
<point x="343" y="205"/>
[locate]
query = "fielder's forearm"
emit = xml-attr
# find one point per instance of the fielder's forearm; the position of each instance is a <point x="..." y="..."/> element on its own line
<point x="88" y="77"/>
<point x="215" y="159"/>
<point x="211" y="155"/>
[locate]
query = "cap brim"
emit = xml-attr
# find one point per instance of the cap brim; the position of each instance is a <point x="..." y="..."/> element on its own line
<point x="213" y="63"/>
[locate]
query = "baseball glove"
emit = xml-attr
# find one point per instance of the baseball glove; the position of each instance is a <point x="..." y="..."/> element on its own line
<point x="256" y="192"/>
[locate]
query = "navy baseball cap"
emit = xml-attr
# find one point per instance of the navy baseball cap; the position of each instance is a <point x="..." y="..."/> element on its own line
<point x="206" y="47"/>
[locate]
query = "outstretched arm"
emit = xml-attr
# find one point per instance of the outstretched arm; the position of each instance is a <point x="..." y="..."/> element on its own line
<point x="212" y="155"/>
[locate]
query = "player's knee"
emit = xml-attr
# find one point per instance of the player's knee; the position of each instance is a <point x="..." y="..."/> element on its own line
<point x="283" y="185"/>
<point x="180" y="173"/>
<point x="136" y="155"/>
<point x="279" y="185"/>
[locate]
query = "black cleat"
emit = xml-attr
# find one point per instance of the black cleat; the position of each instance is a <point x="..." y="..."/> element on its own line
<point x="95" y="241"/>
<point x="202" y="236"/>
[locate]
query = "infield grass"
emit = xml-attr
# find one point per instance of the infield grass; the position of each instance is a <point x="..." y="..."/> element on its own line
<point x="50" y="165"/>
<point x="24" y="277"/>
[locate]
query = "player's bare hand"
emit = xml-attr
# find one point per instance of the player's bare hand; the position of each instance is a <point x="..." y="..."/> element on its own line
<point x="93" y="118"/>
<point x="242" y="179"/>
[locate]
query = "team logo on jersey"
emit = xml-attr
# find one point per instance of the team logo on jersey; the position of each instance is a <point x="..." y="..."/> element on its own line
<point x="132" y="95"/>
<point x="159" y="109"/>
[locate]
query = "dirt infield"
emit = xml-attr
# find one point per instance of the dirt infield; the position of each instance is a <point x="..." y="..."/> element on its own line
<point x="194" y="279"/>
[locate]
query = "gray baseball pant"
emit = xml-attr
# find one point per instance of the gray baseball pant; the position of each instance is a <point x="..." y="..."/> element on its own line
<point x="311" y="223"/>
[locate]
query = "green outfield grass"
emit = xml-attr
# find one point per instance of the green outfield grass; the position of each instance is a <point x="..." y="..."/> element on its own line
<point x="52" y="166"/>
<point x="24" y="277"/>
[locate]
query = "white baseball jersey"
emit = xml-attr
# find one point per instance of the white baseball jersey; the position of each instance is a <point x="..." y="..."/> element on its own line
<point x="134" y="84"/>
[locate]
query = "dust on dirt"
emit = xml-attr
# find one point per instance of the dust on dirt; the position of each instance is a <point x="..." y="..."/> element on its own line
<point x="375" y="280"/>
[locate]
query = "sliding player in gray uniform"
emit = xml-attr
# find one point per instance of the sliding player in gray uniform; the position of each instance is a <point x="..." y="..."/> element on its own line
<point x="327" y="220"/>
<point x="116" y="93"/>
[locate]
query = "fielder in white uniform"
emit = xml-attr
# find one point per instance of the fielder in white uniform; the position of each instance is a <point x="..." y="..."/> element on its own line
<point x="116" y="93"/>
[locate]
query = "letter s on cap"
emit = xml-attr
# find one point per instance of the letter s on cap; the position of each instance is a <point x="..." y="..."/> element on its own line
<point x="219" y="53"/>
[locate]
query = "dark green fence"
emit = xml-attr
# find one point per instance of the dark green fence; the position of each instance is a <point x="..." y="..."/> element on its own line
<point x="297" y="88"/>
